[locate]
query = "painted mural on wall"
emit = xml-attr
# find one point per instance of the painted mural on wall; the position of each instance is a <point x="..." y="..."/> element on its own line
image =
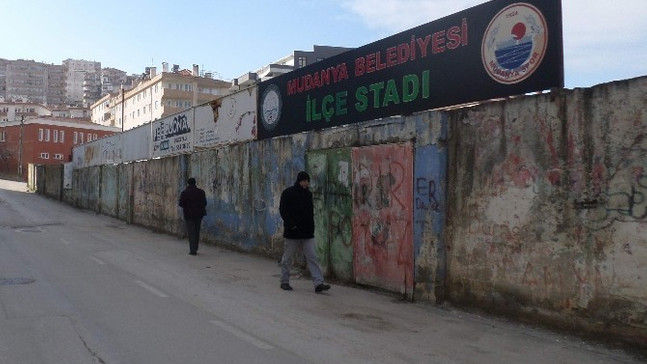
<point x="226" y="120"/>
<point x="430" y="208"/>
<point x="173" y="134"/>
<point x="331" y="186"/>
<point x="383" y="216"/>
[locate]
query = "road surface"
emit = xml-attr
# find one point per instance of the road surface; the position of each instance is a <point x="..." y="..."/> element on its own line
<point x="77" y="287"/>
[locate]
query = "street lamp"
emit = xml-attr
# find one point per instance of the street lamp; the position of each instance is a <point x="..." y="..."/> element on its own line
<point x="122" y="107"/>
<point x="22" y="124"/>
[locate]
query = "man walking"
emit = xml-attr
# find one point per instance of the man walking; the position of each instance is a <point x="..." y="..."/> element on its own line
<point x="297" y="212"/>
<point x="193" y="203"/>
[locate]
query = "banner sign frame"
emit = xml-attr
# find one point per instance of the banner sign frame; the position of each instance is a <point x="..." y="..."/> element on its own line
<point x="497" y="49"/>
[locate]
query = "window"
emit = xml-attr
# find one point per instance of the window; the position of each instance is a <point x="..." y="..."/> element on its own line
<point x="95" y="137"/>
<point x="76" y="138"/>
<point x="46" y="135"/>
<point x="156" y="104"/>
<point x="58" y="156"/>
<point x="40" y="135"/>
<point x="62" y="136"/>
<point x="55" y="140"/>
<point x="80" y="137"/>
<point x="3" y="136"/>
<point x="302" y="62"/>
<point x="44" y="155"/>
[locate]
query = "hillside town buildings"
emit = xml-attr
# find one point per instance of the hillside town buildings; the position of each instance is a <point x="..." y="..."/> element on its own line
<point x="47" y="109"/>
<point x="157" y="95"/>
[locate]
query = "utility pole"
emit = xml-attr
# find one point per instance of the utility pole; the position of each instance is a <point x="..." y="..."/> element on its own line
<point x="122" y="107"/>
<point x="22" y="124"/>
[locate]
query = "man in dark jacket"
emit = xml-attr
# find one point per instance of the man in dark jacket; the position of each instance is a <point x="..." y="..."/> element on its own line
<point x="194" y="203"/>
<point x="297" y="211"/>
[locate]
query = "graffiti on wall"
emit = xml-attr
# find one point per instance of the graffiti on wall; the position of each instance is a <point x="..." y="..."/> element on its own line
<point x="429" y="219"/>
<point x="331" y="189"/>
<point x="628" y="204"/>
<point x="226" y="120"/>
<point x="382" y="216"/>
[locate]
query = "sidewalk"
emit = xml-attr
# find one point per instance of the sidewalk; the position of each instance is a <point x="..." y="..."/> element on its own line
<point x="348" y="322"/>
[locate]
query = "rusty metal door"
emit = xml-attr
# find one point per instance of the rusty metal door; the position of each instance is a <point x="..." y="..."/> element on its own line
<point x="383" y="216"/>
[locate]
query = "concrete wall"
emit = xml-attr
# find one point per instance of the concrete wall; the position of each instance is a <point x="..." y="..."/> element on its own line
<point x="533" y="206"/>
<point x="53" y="185"/>
<point x="548" y="215"/>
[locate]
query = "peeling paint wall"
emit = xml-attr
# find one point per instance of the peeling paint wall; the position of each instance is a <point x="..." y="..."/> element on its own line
<point x="331" y="186"/>
<point x="155" y="194"/>
<point x="535" y="206"/>
<point x="125" y="192"/>
<point x="383" y="216"/>
<point x="109" y="190"/>
<point x="550" y="214"/>
<point x="53" y="180"/>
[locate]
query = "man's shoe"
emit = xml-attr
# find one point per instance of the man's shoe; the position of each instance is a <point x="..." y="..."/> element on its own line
<point x="322" y="287"/>
<point x="286" y="287"/>
<point x="193" y="253"/>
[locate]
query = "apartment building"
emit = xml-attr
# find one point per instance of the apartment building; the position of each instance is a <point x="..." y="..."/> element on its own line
<point x="76" y="71"/>
<point x="77" y="83"/>
<point x="14" y="111"/>
<point x="296" y="59"/>
<point x="32" y="81"/>
<point x="157" y="96"/>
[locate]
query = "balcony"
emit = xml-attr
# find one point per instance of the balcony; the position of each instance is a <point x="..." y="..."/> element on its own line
<point x="273" y="70"/>
<point x="247" y="79"/>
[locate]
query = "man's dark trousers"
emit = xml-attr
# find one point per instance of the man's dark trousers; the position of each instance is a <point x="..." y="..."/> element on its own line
<point x="193" y="230"/>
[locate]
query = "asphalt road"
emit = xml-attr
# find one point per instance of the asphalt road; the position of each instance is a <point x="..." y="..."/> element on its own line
<point x="77" y="287"/>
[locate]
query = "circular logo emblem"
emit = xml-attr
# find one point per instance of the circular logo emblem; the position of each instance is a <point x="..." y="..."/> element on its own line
<point x="514" y="43"/>
<point x="271" y="107"/>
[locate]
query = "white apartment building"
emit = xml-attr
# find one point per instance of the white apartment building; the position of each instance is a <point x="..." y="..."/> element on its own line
<point x="157" y="96"/>
<point x="77" y="70"/>
<point x="14" y="111"/>
<point x="297" y="59"/>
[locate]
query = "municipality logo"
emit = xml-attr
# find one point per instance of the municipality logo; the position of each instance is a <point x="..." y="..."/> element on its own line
<point x="514" y="43"/>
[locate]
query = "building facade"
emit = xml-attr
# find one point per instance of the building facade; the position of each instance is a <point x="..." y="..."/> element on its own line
<point x="14" y="111"/>
<point x="76" y="71"/>
<point x="43" y="140"/>
<point x="297" y="59"/>
<point x="25" y="80"/>
<point x="77" y="83"/>
<point x="157" y="96"/>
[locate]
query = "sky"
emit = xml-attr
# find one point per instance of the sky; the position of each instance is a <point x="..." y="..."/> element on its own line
<point x="603" y="40"/>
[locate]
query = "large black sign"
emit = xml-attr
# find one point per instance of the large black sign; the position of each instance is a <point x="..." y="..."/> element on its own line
<point x="497" y="49"/>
